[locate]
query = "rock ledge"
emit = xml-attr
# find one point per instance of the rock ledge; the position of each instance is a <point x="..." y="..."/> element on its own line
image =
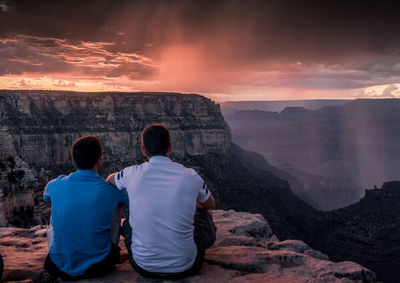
<point x="245" y="251"/>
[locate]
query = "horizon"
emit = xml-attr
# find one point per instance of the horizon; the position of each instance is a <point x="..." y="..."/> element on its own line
<point x="192" y="93"/>
<point x="225" y="50"/>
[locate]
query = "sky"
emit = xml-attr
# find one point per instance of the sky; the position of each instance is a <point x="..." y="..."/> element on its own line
<point x="223" y="49"/>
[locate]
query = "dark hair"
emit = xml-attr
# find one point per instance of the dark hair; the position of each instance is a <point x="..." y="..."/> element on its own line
<point x="86" y="151"/>
<point x="156" y="140"/>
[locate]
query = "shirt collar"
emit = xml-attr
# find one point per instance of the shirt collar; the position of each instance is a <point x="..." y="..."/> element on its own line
<point x="159" y="158"/>
<point x="85" y="172"/>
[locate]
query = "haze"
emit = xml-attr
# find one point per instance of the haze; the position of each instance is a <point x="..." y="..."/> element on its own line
<point x="226" y="50"/>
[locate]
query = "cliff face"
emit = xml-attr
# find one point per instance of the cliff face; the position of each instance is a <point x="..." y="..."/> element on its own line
<point x="245" y="251"/>
<point x="41" y="125"/>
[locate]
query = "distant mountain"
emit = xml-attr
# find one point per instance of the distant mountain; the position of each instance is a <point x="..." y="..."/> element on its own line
<point x="354" y="145"/>
<point x="367" y="232"/>
<point x="324" y="193"/>
<point x="229" y="107"/>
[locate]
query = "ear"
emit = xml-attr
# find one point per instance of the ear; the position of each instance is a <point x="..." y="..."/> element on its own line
<point x="143" y="150"/>
<point x="99" y="164"/>
<point x="169" y="149"/>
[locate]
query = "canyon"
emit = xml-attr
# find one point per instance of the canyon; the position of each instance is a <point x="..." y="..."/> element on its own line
<point x="335" y="152"/>
<point x="37" y="129"/>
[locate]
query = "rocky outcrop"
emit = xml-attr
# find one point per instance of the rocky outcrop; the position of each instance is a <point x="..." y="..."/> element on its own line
<point x="19" y="192"/>
<point x="245" y="251"/>
<point x="367" y="232"/>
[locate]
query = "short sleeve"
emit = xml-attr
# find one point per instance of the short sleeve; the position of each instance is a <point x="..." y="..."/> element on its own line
<point x="122" y="177"/>
<point x="204" y="192"/>
<point x="46" y="193"/>
<point x="48" y="189"/>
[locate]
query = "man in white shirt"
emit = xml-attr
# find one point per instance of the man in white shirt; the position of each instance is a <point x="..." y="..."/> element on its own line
<point x="169" y="225"/>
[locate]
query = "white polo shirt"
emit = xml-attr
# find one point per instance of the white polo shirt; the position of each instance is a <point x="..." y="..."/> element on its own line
<point x="162" y="203"/>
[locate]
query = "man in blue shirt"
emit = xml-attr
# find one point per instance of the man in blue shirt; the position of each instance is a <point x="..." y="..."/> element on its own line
<point x="83" y="205"/>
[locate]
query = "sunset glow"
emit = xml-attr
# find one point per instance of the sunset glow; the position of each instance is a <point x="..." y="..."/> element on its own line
<point x="226" y="51"/>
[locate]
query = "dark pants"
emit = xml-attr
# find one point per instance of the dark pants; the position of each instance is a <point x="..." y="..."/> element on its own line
<point x="204" y="237"/>
<point x="98" y="269"/>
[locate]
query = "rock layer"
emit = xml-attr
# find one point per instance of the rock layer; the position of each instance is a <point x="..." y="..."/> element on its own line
<point x="245" y="251"/>
<point x="41" y="125"/>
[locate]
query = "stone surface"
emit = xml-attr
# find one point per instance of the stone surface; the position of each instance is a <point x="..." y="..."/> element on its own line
<point x="18" y="187"/>
<point x="245" y="251"/>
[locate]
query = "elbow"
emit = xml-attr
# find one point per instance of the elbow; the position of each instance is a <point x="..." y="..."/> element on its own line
<point x="212" y="203"/>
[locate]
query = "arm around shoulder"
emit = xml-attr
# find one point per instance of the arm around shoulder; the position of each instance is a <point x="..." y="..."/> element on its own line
<point x="124" y="200"/>
<point x="111" y="179"/>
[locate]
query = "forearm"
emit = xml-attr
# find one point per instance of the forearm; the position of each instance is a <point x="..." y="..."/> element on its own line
<point x="111" y="179"/>
<point x="208" y="204"/>
<point x="200" y="206"/>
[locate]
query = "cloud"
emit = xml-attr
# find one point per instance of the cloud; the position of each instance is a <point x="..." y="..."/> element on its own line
<point x="244" y="30"/>
<point x="383" y="91"/>
<point x="389" y="91"/>
<point x="24" y="84"/>
<point x="207" y="46"/>
<point x="64" y="84"/>
<point x="34" y="54"/>
<point x="3" y="7"/>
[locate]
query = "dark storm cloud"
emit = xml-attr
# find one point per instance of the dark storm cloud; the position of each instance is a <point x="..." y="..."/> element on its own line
<point x="339" y="44"/>
<point x="303" y="30"/>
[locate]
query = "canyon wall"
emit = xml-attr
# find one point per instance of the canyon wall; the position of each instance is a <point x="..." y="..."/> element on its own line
<point x="40" y="126"/>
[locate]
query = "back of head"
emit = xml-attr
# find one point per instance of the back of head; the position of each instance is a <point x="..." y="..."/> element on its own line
<point x="86" y="151"/>
<point x="156" y="140"/>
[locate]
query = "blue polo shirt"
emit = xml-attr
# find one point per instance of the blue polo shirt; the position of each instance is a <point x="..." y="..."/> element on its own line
<point x="82" y="207"/>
